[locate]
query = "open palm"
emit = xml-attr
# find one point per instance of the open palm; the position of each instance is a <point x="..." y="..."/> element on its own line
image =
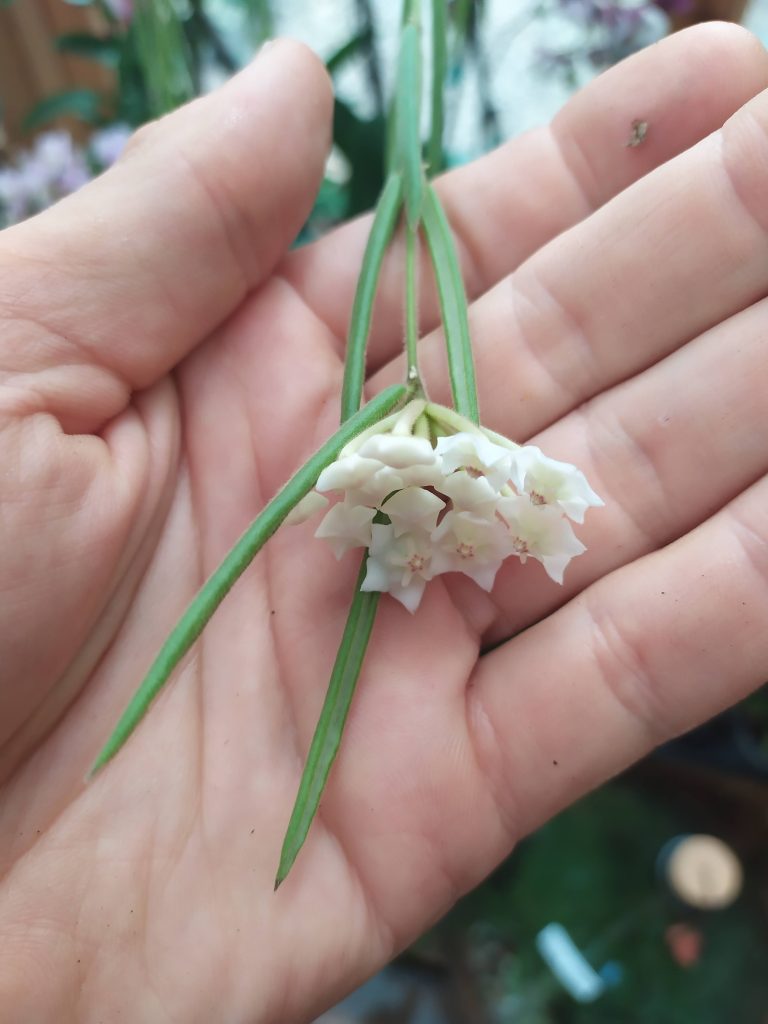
<point x="164" y="368"/>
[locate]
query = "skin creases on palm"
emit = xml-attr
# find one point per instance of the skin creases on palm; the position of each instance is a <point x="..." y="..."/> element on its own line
<point x="157" y="391"/>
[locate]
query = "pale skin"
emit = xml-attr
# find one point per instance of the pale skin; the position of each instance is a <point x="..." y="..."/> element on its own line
<point x="164" y="366"/>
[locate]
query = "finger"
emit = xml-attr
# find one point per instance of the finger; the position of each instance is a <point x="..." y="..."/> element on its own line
<point x="109" y="289"/>
<point x="677" y="252"/>
<point x="644" y="655"/>
<point x="664" y="450"/>
<point x="506" y="205"/>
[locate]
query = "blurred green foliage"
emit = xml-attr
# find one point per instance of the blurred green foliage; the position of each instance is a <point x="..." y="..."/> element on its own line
<point x="165" y="52"/>
<point x="594" y="870"/>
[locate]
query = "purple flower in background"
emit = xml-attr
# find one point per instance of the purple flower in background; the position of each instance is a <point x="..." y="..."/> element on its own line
<point x="53" y="168"/>
<point x="121" y="9"/>
<point x="13" y="199"/>
<point x="623" y="21"/>
<point x="611" y="30"/>
<point x="107" y="144"/>
<point x="60" y="166"/>
<point x="583" y="10"/>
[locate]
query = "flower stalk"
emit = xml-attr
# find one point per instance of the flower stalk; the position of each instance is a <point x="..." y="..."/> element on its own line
<point x="411" y="307"/>
<point x="422" y="489"/>
<point x="384" y="221"/>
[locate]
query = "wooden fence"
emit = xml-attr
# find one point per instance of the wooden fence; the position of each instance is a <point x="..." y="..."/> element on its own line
<point x="30" y="66"/>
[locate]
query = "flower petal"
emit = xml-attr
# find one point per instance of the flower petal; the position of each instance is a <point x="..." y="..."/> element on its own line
<point x="551" y="482"/>
<point x="398" y="452"/>
<point x="306" y="508"/>
<point x="346" y="526"/>
<point x="413" y="508"/>
<point x="469" y="493"/>
<point x="351" y="471"/>
<point x="475" y="452"/>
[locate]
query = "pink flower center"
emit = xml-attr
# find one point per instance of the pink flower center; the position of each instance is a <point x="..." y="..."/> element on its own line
<point x="416" y="563"/>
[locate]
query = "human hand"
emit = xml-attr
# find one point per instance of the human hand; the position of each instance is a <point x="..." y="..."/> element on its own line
<point x="164" y="370"/>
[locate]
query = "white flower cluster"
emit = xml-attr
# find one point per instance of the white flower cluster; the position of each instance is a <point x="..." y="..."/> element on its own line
<point x="464" y="504"/>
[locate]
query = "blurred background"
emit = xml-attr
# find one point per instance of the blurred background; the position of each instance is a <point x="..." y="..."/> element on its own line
<point x="647" y="901"/>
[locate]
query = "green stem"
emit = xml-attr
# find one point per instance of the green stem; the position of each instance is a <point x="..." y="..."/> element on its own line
<point x="439" y="63"/>
<point x="411" y="13"/>
<point x="408" y="120"/>
<point x="421" y="427"/>
<point x="451" y="420"/>
<point x="236" y="562"/>
<point x="411" y="305"/>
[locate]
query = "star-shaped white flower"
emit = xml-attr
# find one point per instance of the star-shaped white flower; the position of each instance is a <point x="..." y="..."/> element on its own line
<point x="405" y="462"/>
<point x="305" y="509"/>
<point x="468" y="543"/>
<point x="346" y="526"/>
<point x="550" y="482"/>
<point x="348" y="473"/>
<point x="469" y="493"/>
<point x="539" y="532"/>
<point x="398" y="452"/>
<point x="477" y="454"/>
<point x="412" y="509"/>
<point x="399" y="566"/>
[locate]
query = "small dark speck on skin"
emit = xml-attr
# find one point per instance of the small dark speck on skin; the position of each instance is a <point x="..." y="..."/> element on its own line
<point x="253" y="830"/>
<point x="663" y="593"/>
<point x="555" y="763"/>
<point x="272" y="612"/>
<point x="639" y="130"/>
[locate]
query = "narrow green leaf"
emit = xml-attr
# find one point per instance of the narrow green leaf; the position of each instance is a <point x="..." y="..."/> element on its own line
<point x="390" y="139"/>
<point x="261" y="20"/>
<point x="408" y="120"/>
<point x="325" y="742"/>
<point x="387" y="212"/>
<point x="239" y="558"/>
<point x="453" y="306"/>
<point x="411" y="12"/>
<point x="350" y="49"/>
<point x="163" y="54"/>
<point x="84" y="104"/>
<point x="461" y="12"/>
<point x="81" y="44"/>
<point x="357" y="631"/>
<point x="439" y="64"/>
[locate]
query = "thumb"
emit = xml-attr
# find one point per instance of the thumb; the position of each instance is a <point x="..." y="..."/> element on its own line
<point x="109" y="289"/>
